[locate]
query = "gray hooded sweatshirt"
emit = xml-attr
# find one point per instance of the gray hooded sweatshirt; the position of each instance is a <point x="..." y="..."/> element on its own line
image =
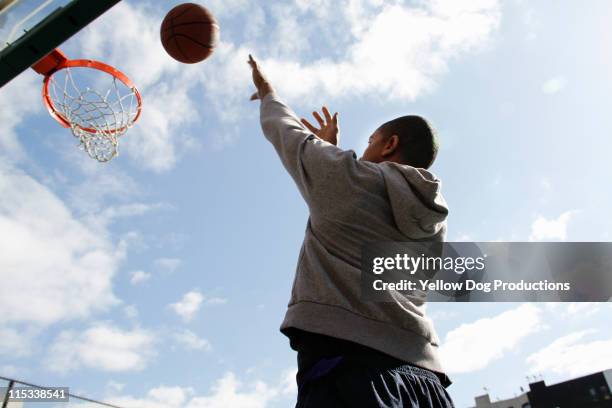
<point x="353" y="202"/>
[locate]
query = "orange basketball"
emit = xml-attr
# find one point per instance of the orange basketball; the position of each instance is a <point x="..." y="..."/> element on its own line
<point x="189" y="33"/>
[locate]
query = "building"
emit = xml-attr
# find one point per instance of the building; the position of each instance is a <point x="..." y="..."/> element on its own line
<point x="520" y="401"/>
<point x="589" y="391"/>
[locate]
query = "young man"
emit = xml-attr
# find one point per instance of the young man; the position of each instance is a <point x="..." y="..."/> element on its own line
<point x="353" y="353"/>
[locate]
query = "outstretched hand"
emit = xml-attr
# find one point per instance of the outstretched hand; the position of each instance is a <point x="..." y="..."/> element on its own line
<point x="328" y="130"/>
<point x="260" y="81"/>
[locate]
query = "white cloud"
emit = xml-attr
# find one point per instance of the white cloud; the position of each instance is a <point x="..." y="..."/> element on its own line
<point x="55" y="267"/>
<point x="188" y="306"/>
<point x="127" y="37"/>
<point x="554" y="85"/>
<point x="103" y="347"/>
<point x="133" y="240"/>
<point x="529" y="18"/>
<point x="227" y="391"/>
<point x="158" y="397"/>
<point x="157" y="138"/>
<point x="577" y="310"/>
<point x="114" y="387"/>
<point x="127" y="210"/>
<point x="10" y="370"/>
<point x="393" y="50"/>
<point x="442" y="314"/>
<point x="288" y="383"/>
<point x="396" y="51"/>
<point x="192" y="341"/>
<point x="99" y="185"/>
<point x="582" y="309"/>
<point x="555" y="229"/>
<point x="168" y="264"/>
<point x="101" y="220"/>
<point x="131" y="312"/>
<point x="173" y="396"/>
<point x="137" y="277"/>
<point x="463" y="237"/>
<point x="16" y="343"/>
<point x="572" y="356"/>
<point x="223" y="8"/>
<point x="545" y="183"/>
<point x="473" y="346"/>
<point x="215" y="301"/>
<point x="19" y="100"/>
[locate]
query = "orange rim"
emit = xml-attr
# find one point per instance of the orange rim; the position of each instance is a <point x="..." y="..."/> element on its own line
<point x="100" y="66"/>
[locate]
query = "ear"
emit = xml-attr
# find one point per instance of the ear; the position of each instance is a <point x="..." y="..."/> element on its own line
<point x="391" y="145"/>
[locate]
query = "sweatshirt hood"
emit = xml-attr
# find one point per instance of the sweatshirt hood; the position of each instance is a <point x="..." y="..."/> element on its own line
<point x="417" y="204"/>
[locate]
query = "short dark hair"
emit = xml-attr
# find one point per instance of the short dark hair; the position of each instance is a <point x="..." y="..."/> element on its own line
<point x="418" y="142"/>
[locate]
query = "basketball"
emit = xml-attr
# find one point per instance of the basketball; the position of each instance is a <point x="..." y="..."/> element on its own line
<point x="189" y="33"/>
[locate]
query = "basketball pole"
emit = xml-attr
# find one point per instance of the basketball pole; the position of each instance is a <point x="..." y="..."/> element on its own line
<point x="48" y="35"/>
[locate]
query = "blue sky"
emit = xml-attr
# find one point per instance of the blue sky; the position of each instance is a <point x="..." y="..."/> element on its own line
<point x="161" y="278"/>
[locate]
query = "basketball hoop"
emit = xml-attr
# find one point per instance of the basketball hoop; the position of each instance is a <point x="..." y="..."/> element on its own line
<point x="96" y="101"/>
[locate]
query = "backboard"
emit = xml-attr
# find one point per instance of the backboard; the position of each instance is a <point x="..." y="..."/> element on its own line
<point x="30" y="29"/>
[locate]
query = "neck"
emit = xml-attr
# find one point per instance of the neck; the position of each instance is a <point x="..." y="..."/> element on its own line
<point x="395" y="158"/>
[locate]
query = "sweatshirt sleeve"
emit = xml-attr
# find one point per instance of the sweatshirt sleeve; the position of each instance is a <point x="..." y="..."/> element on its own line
<point x="315" y="165"/>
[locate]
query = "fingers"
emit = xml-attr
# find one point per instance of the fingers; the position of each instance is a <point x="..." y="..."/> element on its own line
<point x="328" y="118"/>
<point x="257" y="77"/>
<point x="318" y="118"/>
<point x="254" y="65"/>
<point x="309" y="126"/>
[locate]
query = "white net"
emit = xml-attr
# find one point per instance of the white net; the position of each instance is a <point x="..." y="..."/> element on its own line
<point x="97" y="119"/>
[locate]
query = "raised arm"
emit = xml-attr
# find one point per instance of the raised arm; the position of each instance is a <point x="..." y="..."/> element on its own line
<point x="315" y="165"/>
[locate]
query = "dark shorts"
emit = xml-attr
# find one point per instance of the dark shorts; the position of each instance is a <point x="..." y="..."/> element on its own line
<point x="342" y="382"/>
